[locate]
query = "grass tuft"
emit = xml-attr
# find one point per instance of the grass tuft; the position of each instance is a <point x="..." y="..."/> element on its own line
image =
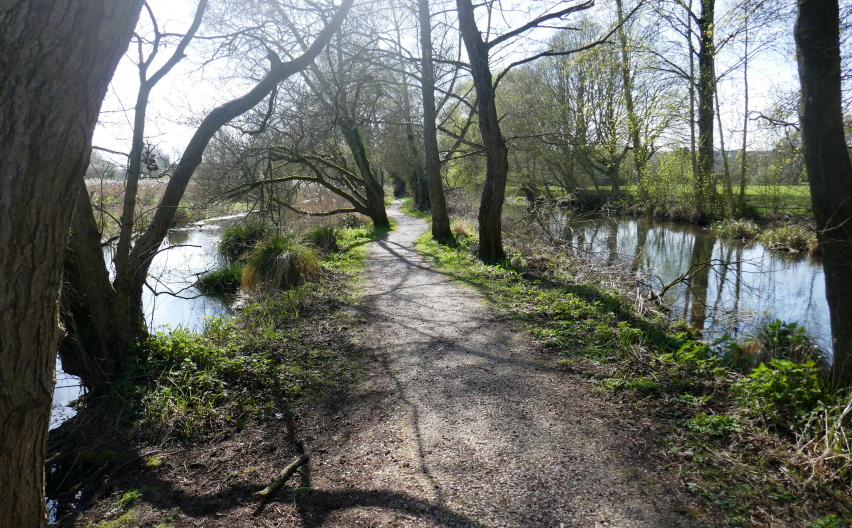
<point x="794" y="238"/>
<point x="279" y="262"/>
<point x="240" y="238"/>
<point x="737" y="229"/>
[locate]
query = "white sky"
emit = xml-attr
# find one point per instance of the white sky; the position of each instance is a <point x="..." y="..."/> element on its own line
<point x="188" y="92"/>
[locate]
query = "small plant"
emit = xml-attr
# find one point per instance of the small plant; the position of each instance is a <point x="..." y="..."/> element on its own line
<point x="279" y="262"/>
<point x="323" y="238"/>
<point x="239" y="239"/>
<point x="716" y="424"/>
<point x="790" y="238"/>
<point x="783" y="393"/>
<point x="226" y="279"/>
<point x="829" y="521"/>
<point x="782" y="340"/>
<point x="737" y="229"/>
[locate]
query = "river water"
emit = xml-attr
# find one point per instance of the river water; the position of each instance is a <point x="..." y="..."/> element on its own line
<point x="744" y="284"/>
<point x="171" y="302"/>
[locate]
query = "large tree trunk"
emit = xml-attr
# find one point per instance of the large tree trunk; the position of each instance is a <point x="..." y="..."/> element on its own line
<point x="56" y="62"/>
<point x="705" y="178"/>
<point x="440" y="219"/>
<point x="828" y="165"/>
<point x="373" y="191"/>
<point x="496" y="152"/>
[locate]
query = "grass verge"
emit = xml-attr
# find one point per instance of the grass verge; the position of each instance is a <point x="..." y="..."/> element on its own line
<point x="713" y="429"/>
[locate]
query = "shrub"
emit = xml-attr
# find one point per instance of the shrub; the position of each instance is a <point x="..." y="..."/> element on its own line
<point x="323" y="238"/>
<point x="279" y="262"/>
<point x="783" y="393"/>
<point x="221" y="280"/>
<point x="795" y="237"/>
<point x="239" y="239"/>
<point x="740" y="229"/>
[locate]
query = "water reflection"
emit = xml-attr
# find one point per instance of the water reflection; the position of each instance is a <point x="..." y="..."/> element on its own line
<point x="732" y="284"/>
<point x="174" y="302"/>
<point x="171" y="302"/>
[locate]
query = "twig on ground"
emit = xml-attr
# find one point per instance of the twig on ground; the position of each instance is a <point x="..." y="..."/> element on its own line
<point x="284" y="475"/>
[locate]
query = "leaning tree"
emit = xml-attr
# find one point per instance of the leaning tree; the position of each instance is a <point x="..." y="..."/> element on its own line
<point x="113" y="308"/>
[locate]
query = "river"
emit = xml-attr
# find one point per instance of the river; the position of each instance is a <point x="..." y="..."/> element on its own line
<point x="174" y="270"/>
<point x="744" y="285"/>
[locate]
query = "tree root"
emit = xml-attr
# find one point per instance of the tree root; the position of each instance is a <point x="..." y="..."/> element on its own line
<point x="285" y="474"/>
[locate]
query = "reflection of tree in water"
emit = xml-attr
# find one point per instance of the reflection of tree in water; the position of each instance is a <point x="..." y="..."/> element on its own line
<point x="718" y="285"/>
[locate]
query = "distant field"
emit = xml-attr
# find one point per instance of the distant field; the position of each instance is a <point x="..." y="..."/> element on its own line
<point x="765" y="199"/>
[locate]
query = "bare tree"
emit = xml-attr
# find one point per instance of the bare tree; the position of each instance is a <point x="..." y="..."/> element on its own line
<point x="115" y="308"/>
<point x="496" y="152"/>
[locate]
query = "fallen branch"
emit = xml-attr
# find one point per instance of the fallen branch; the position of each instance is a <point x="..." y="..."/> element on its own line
<point x="289" y="470"/>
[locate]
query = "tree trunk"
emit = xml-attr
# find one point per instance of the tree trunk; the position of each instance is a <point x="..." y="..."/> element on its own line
<point x="705" y="178"/>
<point x="421" y="183"/>
<point x="440" y="219"/>
<point x="373" y="191"/>
<point x="828" y="165"/>
<point x="744" y="160"/>
<point x="56" y="63"/>
<point x="639" y="156"/>
<point x="496" y="152"/>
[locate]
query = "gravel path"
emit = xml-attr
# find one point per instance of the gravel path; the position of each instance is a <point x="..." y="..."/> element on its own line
<point x="469" y="426"/>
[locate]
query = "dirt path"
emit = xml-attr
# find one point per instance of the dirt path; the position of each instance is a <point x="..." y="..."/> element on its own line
<point x="468" y="426"/>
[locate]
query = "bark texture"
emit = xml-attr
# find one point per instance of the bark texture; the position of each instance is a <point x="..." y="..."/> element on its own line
<point x="704" y="177"/>
<point x="56" y="61"/>
<point x="828" y="165"/>
<point x="440" y="218"/>
<point x="496" y="151"/>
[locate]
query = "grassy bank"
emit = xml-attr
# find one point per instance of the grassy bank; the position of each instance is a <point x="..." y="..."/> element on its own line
<point x="747" y="442"/>
<point x="287" y="355"/>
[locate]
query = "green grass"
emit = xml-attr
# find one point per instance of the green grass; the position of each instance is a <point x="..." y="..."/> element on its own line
<point x="287" y="347"/>
<point x="246" y="369"/>
<point x="352" y="243"/>
<point x="225" y="279"/>
<point x="409" y="209"/>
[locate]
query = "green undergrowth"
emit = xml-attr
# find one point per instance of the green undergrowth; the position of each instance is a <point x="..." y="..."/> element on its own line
<point x="409" y="209"/>
<point x="738" y="423"/>
<point x="289" y="346"/>
<point x="285" y="348"/>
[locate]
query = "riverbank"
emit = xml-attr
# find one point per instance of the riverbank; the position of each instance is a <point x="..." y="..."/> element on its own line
<point x="288" y="357"/>
<point x="707" y="406"/>
<point x="362" y="384"/>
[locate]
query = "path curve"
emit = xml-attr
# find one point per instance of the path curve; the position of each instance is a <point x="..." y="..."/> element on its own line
<point x="472" y="428"/>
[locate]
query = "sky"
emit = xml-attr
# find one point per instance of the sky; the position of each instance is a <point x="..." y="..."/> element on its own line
<point x="190" y="91"/>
